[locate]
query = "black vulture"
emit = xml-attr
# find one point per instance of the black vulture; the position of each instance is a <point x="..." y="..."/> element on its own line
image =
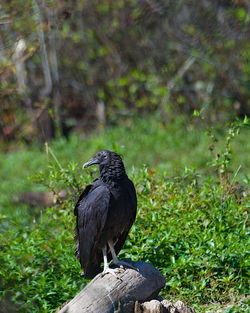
<point x="104" y="213"/>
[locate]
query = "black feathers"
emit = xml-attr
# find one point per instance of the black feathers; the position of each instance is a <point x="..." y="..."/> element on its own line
<point x="105" y="211"/>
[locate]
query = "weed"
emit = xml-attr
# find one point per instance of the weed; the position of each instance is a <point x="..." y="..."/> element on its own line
<point x="187" y="225"/>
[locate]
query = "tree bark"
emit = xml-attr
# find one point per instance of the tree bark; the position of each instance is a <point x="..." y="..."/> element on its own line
<point x="107" y="294"/>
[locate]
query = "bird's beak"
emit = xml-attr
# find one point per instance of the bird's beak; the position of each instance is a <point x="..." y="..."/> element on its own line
<point x="90" y="162"/>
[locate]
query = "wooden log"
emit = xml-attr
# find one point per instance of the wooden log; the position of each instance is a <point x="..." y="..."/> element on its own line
<point x="109" y="294"/>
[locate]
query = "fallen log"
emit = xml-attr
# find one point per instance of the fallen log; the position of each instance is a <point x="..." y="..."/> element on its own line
<point x="40" y="198"/>
<point x="109" y="294"/>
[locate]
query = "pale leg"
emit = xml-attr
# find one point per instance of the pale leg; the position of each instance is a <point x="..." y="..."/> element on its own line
<point x="106" y="268"/>
<point x="105" y="259"/>
<point x="116" y="261"/>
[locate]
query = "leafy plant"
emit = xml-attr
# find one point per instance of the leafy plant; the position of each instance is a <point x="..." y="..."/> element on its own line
<point x="222" y="160"/>
<point x="187" y="225"/>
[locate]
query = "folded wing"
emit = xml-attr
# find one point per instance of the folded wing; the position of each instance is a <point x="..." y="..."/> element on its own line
<point x="91" y="211"/>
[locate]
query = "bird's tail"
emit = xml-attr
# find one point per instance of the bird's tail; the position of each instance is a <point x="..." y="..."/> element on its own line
<point x="91" y="270"/>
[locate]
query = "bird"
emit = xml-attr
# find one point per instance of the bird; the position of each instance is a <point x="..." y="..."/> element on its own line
<point x="105" y="212"/>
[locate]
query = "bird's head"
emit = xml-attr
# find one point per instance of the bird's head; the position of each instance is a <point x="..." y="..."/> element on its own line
<point x="110" y="164"/>
<point x="102" y="157"/>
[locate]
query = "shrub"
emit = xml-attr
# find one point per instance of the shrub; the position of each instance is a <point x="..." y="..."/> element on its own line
<point x="193" y="227"/>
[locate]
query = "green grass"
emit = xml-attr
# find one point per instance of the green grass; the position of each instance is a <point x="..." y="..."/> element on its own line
<point x="190" y="224"/>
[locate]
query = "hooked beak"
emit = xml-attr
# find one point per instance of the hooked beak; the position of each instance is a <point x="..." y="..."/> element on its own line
<point x="90" y="162"/>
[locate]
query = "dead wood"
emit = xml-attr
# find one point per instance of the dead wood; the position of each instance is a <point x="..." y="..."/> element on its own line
<point x="110" y="294"/>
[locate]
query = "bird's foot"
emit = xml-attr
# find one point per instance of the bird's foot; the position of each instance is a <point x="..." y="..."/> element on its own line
<point x="123" y="264"/>
<point x="111" y="271"/>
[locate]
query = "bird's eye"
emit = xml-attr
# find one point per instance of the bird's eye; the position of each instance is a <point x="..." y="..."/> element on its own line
<point x="105" y="156"/>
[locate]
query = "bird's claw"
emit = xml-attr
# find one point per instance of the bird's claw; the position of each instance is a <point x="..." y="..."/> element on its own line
<point x="111" y="271"/>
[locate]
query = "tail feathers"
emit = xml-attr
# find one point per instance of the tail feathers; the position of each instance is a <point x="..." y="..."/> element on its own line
<point x="91" y="270"/>
<point x="90" y="263"/>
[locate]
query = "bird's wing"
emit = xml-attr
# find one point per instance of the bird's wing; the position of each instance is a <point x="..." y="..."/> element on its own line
<point x="132" y="207"/>
<point x="133" y="199"/>
<point x="91" y="211"/>
<point x="84" y="193"/>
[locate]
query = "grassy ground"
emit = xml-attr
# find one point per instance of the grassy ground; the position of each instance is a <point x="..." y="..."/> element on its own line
<point x="191" y="224"/>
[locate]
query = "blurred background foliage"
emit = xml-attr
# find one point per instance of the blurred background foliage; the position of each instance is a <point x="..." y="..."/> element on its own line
<point x="164" y="83"/>
<point x="79" y="65"/>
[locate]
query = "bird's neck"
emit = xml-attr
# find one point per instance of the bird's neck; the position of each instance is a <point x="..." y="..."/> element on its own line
<point x="112" y="174"/>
